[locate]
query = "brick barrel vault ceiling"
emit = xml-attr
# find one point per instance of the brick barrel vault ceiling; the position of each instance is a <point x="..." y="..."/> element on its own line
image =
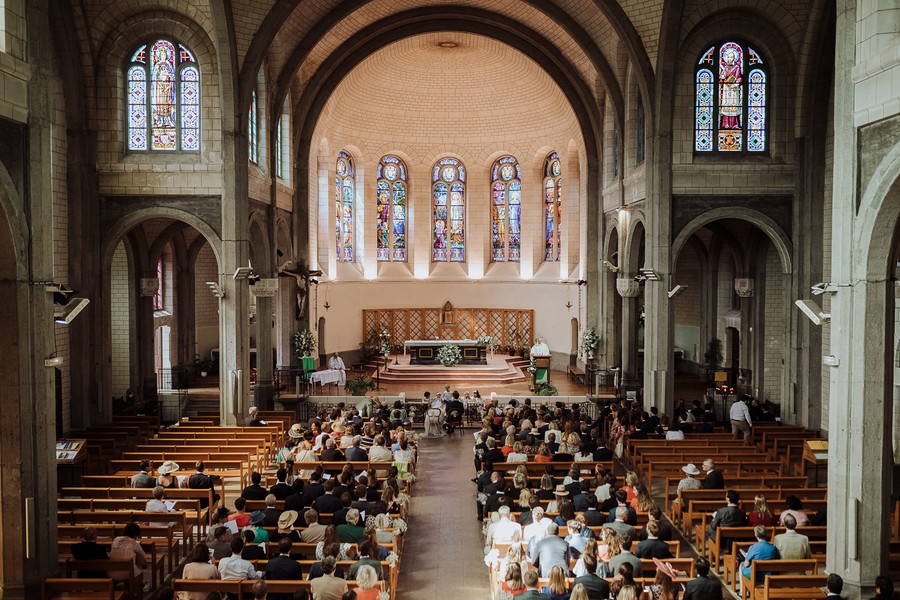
<point x="307" y="14"/>
<point x="483" y="95"/>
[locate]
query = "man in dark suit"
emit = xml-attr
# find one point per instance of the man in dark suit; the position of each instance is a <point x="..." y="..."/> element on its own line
<point x="653" y="547"/>
<point x="596" y="587"/>
<point x="143" y="479"/>
<point x="551" y="551"/>
<point x="622" y="502"/>
<point x="331" y="452"/>
<point x="355" y="452"/>
<point x="252" y="550"/>
<point x="271" y="513"/>
<point x="340" y="516"/>
<point x="834" y="584"/>
<point x="328" y="503"/>
<point x="283" y="568"/>
<point x="313" y="489"/>
<point x="89" y="549"/>
<point x="202" y="481"/>
<point x="665" y="530"/>
<point x="702" y="587"/>
<point x="602" y="453"/>
<point x="728" y="516"/>
<point x="592" y="516"/>
<point x="713" y="479"/>
<point x="254" y="491"/>
<point x="531" y="588"/>
<point x="580" y="499"/>
<point x="493" y="454"/>
<point x="281" y="489"/>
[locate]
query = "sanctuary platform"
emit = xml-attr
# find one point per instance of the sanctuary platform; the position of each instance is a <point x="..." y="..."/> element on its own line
<point x="497" y="370"/>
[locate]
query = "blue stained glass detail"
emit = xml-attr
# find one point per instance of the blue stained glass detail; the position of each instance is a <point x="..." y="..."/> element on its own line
<point x="506" y="195"/>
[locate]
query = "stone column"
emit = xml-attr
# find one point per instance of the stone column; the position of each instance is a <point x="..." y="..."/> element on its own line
<point x="263" y="392"/>
<point x="743" y="287"/>
<point x="629" y="290"/>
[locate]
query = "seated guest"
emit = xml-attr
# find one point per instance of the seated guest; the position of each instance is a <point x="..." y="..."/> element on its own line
<point x="257" y="517"/>
<point x="550" y="551"/>
<point x="760" y="515"/>
<point x="285" y="528"/>
<point x="576" y="539"/>
<point x="89" y="549"/>
<point x="328" y="586"/>
<point x="366" y="557"/>
<point x="331" y="452"/>
<point x="254" y="491"/>
<point x="834" y="584"/>
<point x="252" y="550"/>
<point x="351" y="531"/>
<point x="592" y="516"/>
<point x="557" y="587"/>
<point x="314" y="532"/>
<point x="156" y="504"/>
<point x="165" y="475"/>
<point x="596" y="587"/>
<point x="202" y="481"/>
<point x="728" y="516"/>
<point x="624" y="585"/>
<point x="283" y="568"/>
<point x="665" y="530"/>
<point x="142" y="479"/>
<point x="675" y="432"/>
<point x="366" y="584"/>
<point x="794" y="509"/>
<point x="619" y="525"/>
<point x="199" y="567"/>
<point x="652" y="547"/>
<point x="333" y="550"/>
<point x="714" y="479"/>
<point x="512" y="584"/>
<point x="253" y="419"/>
<point x="271" y="513"/>
<point x="240" y="516"/>
<point x="761" y="550"/>
<point x="625" y="556"/>
<point x="530" y="589"/>
<point x="792" y="545"/>
<point x="622" y="502"/>
<point x="235" y="566"/>
<point x="355" y="451"/>
<point x="702" y="587"/>
<point x="220" y="517"/>
<point x="504" y="530"/>
<point x="328" y="503"/>
<point x="126" y="547"/>
<point x="884" y="589"/>
<point x="281" y="489"/>
<point x="663" y="586"/>
<point x="340" y="516"/>
<point x="221" y="544"/>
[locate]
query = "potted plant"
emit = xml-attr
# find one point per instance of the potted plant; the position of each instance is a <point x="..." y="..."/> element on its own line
<point x="203" y="365"/>
<point x="547" y="389"/>
<point x="359" y="385"/>
<point x="590" y="339"/>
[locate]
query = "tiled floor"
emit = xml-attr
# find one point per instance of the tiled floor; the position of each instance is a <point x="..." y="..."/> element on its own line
<point x="442" y="555"/>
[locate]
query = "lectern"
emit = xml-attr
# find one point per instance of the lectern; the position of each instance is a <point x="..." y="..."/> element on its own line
<point x="541" y="370"/>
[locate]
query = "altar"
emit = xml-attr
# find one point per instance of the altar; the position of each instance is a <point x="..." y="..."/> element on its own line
<point x="425" y="352"/>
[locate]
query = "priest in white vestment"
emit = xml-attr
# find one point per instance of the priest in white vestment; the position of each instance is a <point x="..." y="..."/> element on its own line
<point x="337" y="363"/>
<point x="540" y="348"/>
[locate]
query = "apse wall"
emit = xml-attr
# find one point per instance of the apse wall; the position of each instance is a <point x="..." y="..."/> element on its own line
<point x="476" y="101"/>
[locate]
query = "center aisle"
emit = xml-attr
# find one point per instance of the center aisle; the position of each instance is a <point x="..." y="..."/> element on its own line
<point x="442" y="555"/>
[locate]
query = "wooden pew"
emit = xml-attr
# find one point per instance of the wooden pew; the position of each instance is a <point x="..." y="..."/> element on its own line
<point x="156" y="560"/>
<point x="793" y="587"/>
<point x="177" y="521"/>
<point x="71" y="588"/>
<point x="133" y="583"/>
<point x="750" y="590"/>
<point x="161" y="536"/>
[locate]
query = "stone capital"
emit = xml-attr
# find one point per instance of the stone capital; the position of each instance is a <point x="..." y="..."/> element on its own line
<point x="743" y="287"/>
<point x="627" y="287"/>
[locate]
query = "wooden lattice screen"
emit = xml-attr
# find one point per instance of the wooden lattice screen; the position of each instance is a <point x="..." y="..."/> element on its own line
<point x="510" y="328"/>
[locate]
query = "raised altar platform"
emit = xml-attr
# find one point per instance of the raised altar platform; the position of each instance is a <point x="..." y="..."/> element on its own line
<point x="425" y="352"/>
<point x="498" y="370"/>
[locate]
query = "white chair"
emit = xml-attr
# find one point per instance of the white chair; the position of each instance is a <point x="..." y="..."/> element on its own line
<point x="433" y="422"/>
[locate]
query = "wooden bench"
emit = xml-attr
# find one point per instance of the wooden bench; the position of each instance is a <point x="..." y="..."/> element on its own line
<point x="75" y="588"/>
<point x="573" y="372"/>
<point x="159" y="535"/>
<point x="751" y="590"/>
<point x="156" y="560"/>
<point x="793" y="587"/>
<point x="133" y="584"/>
<point x="732" y="561"/>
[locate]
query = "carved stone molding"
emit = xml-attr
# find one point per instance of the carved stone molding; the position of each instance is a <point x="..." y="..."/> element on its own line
<point x="627" y="287"/>
<point x="743" y="287"/>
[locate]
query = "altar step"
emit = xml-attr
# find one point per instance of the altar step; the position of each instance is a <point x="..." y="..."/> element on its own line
<point x="505" y="370"/>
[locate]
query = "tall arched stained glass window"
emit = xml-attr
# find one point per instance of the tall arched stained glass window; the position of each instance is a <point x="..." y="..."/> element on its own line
<point x="252" y="130"/>
<point x="449" y="216"/>
<point x="163" y="98"/>
<point x="552" y="208"/>
<point x="506" y="210"/>
<point x="390" y="193"/>
<point x="344" y="196"/>
<point x="730" y="100"/>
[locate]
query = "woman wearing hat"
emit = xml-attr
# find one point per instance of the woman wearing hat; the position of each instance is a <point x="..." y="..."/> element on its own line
<point x="305" y="454"/>
<point x="286" y="527"/>
<point x="558" y="494"/>
<point x="256" y="520"/>
<point x="166" y="478"/>
<point x="663" y="587"/>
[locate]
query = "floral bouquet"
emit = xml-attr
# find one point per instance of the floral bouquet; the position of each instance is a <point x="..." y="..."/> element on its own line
<point x="304" y="343"/>
<point x="449" y="355"/>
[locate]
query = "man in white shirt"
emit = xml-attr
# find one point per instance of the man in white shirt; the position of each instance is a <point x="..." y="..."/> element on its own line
<point x="235" y="567"/>
<point x="502" y="531"/>
<point x="337" y="363"/>
<point x="740" y="420"/>
<point x="537" y="529"/>
<point x="540" y="348"/>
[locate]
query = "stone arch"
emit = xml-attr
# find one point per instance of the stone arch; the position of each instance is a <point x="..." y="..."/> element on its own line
<point x="129" y="221"/>
<point x="778" y="237"/>
<point x="15" y="226"/>
<point x="879" y="209"/>
<point x="260" y="254"/>
<point x="634" y="248"/>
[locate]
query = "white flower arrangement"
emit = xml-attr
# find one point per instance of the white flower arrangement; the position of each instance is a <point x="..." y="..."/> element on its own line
<point x="384" y="596"/>
<point x="492" y="559"/>
<point x="449" y="355"/>
<point x="590" y="339"/>
<point x="409" y="478"/>
<point x="304" y="343"/>
<point x="399" y="526"/>
<point x="485" y="340"/>
<point x="392" y="558"/>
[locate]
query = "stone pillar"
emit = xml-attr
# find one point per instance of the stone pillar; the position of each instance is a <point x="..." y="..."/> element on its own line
<point x="659" y="341"/>
<point x="629" y="290"/>
<point x="743" y="287"/>
<point x="264" y="291"/>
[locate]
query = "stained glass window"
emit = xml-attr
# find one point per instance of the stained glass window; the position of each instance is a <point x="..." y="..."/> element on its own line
<point x="552" y="208"/>
<point x="730" y="100"/>
<point x="282" y="143"/>
<point x="279" y="168"/>
<point x="163" y="93"/>
<point x="506" y="210"/>
<point x="615" y="160"/>
<point x="344" y="197"/>
<point x="390" y="194"/>
<point x="449" y="217"/>
<point x="252" y="133"/>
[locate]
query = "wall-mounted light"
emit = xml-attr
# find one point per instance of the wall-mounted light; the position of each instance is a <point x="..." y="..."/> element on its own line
<point x="676" y="290"/>
<point x="216" y="290"/>
<point x="813" y="312"/>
